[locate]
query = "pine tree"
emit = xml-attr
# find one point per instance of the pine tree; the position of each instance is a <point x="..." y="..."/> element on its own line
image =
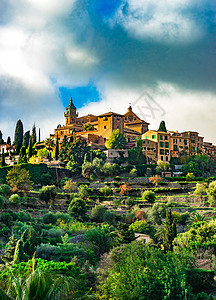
<point x="26" y="139"/>
<point x="22" y="156"/>
<point x="2" y="163"/>
<point x="34" y="135"/>
<point x="57" y="148"/>
<point x="1" y="139"/>
<point x="18" y="136"/>
<point x="9" y="141"/>
<point x="169" y="231"/>
<point x="19" y="253"/>
<point x="162" y="127"/>
<point x="10" y="250"/>
<point x="30" y="150"/>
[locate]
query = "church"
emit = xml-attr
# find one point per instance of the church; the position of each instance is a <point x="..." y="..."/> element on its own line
<point x="97" y="129"/>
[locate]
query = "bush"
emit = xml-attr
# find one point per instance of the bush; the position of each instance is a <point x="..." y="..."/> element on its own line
<point x="23" y="217"/>
<point x="52" y="233"/>
<point x="106" y="191"/>
<point x="109" y="217"/>
<point x="157" y="213"/>
<point x="211" y="192"/>
<point x="5" y="190"/>
<point x="14" y="199"/>
<point x="6" y="218"/>
<point x="77" y="209"/>
<point x="69" y="186"/>
<point x="143" y="227"/>
<point x="97" y="213"/>
<point x="133" y="172"/>
<point x="48" y="193"/>
<point x="46" y="179"/>
<point x="1" y="201"/>
<point x="49" y="218"/>
<point x="200" y="280"/>
<point x="129" y="202"/>
<point x="148" y="196"/>
<point x="46" y="251"/>
<point x="83" y="191"/>
<point x="190" y="177"/>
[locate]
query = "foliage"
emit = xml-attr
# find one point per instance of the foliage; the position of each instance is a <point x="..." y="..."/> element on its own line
<point x="136" y="156"/>
<point x="157" y="213"/>
<point x="133" y="172"/>
<point x="190" y="177"/>
<point x="155" y="180"/>
<point x="97" y="213"/>
<point x="10" y="250"/>
<point x="49" y="218"/>
<point x="2" y="162"/>
<point x="147" y="272"/>
<point x="18" y="138"/>
<point x="43" y="153"/>
<point x="106" y="191"/>
<point x="211" y="192"/>
<point x="69" y="186"/>
<point x="22" y="155"/>
<point x="46" y="179"/>
<point x="148" y="196"/>
<point x="116" y="140"/>
<point x="15" y="199"/>
<point x="5" y="190"/>
<point x="77" y="208"/>
<point x="163" y="165"/>
<point x="88" y="127"/>
<point x="125" y="234"/>
<point x="34" y="135"/>
<point x="130" y="202"/>
<point x="169" y="231"/>
<point x="23" y="216"/>
<point x="143" y="227"/>
<point x="48" y="193"/>
<point x="124" y="189"/>
<point x="83" y="191"/>
<point x="162" y="126"/>
<point x="57" y="148"/>
<point x="191" y="167"/>
<point x="101" y="237"/>
<point x="1" y="201"/>
<point x="19" y="179"/>
<point x="26" y="137"/>
<point x="200" y="189"/>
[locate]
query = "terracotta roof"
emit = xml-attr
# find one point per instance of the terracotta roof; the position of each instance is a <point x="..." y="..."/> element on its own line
<point x="110" y="113"/>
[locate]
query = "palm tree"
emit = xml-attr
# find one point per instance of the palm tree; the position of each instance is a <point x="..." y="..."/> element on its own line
<point x="40" y="285"/>
<point x="196" y="219"/>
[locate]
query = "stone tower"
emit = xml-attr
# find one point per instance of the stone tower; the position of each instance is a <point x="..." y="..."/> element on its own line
<point x="71" y="113"/>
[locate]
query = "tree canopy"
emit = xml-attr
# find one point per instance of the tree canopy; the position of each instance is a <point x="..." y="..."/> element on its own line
<point x="116" y="140"/>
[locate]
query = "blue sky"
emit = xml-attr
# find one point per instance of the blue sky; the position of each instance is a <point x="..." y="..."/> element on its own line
<point x="107" y="54"/>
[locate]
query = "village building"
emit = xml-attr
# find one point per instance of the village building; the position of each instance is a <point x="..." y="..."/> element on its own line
<point x="97" y="129"/>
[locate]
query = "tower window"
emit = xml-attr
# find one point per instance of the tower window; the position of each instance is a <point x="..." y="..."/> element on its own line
<point x="105" y="127"/>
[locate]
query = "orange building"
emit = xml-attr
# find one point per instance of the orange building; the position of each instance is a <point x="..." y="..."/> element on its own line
<point x="100" y="127"/>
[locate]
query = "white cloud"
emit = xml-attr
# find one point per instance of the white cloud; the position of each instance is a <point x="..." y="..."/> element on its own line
<point x="161" y="20"/>
<point x="182" y="110"/>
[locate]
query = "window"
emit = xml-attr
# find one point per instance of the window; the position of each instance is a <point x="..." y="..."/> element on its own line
<point x="153" y="136"/>
<point x="186" y="148"/>
<point x="129" y="139"/>
<point x="105" y="127"/>
<point x="185" y="142"/>
<point x="166" y="145"/>
<point x="174" y="141"/>
<point x="180" y="140"/>
<point x="161" y="151"/>
<point x="166" y="137"/>
<point x="144" y="142"/>
<point x="193" y="141"/>
<point x="148" y="142"/>
<point x="166" y="158"/>
<point x="104" y="140"/>
<point x="166" y="152"/>
<point x="161" y="157"/>
<point x="161" y="137"/>
<point x="175" y="148"/>
<point x="161" y="144"/>
<point x="105" y="118"/>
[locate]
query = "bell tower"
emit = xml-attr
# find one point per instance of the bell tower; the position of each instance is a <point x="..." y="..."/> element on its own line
<point x="71" y="113"/>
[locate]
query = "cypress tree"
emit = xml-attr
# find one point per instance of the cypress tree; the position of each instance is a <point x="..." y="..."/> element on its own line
<point x="9" y="141"/>
<point x="18" y="136"/>
<point x="169" y="232"/>
<point x="26" y="137"/>
<point x="30" y="150"/>
<point x="2" y="163"/>
<point x="162" y="127"/>
<point x="34" y="135"/>
<point x="39" y="136"/>
<point x="22" y="156"/>
<point x="57" y="148"/>
<point x="1" y="139"/>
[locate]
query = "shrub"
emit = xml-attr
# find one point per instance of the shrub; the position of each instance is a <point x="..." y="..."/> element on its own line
<point x="83" y="191"/>
<point x="46" y="251"/>
<point x="48" y="193"/>
<point x="106" y="191"/>
<point x="62" y="183"/>
<point x="109" y="217"/>
<point x="130" y="202"/>
<point x="14" y="199"/>
<point x="52" y="233"/>
<point x="77" y="208"/>
<point x="211" y="192"/>
<point x="190" y="177"/>
<point x="46" y="179"/>
<point x="5" y="190"/>
<point x="23" y="217"/>
<point x="49" y="218"/>
<point x="69" y="186"/>
<point x="97" y="213"/>
<point x="6" y="218"/>
<point x="133" y="172"/>
<point x="157" y="213"/>
<point x="143" y="227"/>
<point x="1" y="201"/>
<point x="148" y="196"/>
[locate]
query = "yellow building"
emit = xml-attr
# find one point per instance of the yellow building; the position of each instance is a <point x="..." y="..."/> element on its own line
<point x="101" y="126"/>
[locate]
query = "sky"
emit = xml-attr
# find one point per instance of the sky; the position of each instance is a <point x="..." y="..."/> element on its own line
<point x="157" y="55"/>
